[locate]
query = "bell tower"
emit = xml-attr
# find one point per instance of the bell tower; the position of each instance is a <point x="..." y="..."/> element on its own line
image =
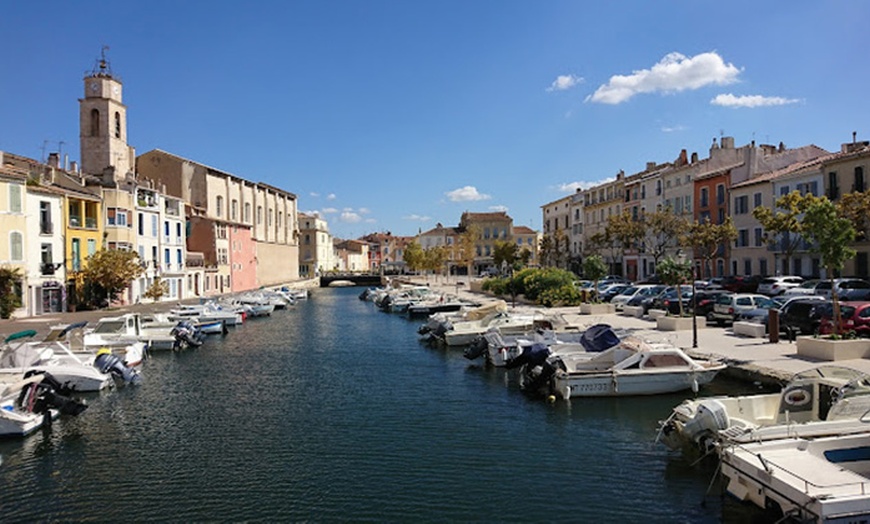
<point x="103" y="123"/>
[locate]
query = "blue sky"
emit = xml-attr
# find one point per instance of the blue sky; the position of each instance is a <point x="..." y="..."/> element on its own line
<point x="396" y="115"/>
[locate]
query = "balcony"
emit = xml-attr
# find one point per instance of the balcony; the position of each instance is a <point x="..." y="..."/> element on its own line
<point x="90" y="222"/>
<point x="75" y="221"/>
<point x="195" y="260"/>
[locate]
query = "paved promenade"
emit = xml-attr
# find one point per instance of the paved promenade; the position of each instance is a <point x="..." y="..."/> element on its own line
<point x="752" y="358"/>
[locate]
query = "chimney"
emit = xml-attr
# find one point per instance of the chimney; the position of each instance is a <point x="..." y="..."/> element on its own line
<point x="727" y="142"/>
<point x="650" y="166"/>
<point x="694" y="157"/>
<point x="74" y="167"/>
<point x="54" y="160"/>
<point x="682" y="159"/>
<point x="854" y="136"/>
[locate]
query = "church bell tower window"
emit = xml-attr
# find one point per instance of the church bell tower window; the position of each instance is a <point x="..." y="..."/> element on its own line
<point x="117" y="125"/>
<point x="95" y="122"/>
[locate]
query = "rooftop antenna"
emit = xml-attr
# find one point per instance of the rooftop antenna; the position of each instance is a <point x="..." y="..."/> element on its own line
<point x="103" y="68"/>
<point x="60" y="149"/>
<point x="44" y="145"/>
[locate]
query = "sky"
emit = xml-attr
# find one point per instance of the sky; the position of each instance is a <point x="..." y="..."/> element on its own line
<point x="396" y="115"/>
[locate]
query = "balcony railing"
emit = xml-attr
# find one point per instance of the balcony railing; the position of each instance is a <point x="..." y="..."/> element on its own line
<point x="91" y="222"/>
<point x="75" y="221"/>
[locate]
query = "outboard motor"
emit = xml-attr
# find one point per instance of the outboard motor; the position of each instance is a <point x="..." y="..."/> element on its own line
<point x="186" y="335"/>
<point x="107" y="362"/>
<point x="40" y="397"/>
<point x="477" y="348"/>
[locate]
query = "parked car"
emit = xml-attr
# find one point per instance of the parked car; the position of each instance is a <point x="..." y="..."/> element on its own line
<point x="772" y="286"/>
<point x="801" y="315"/>
<point x="807" y="288"/>
<point x="861" y="294"/>
<point x="762" y="315"/>
<point x="841" y="285"/>
<point x="854" y="316"/>
<point x="645" y="296"/>
<point x="668" y="301"/>
<point x="611" y="290"/>
<point x="728" y="307"/>
<point x="705" y="300"/>
<point x="619" y="300"/>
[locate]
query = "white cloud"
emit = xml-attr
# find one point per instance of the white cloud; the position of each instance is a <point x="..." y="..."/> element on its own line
<point x="371" y="221"/>
<point x="673" y="129"/>
<point x="572" y="187"/>
<point x="498" y="208"/>
<point x="730" y="100"/>
<point x="466" y="194"/>
<point x="328" y="210"/>
<point x="564" y="82"/>
<point x="675" y="72"/>
<point x="330" y="196"/>
<point x="314" y="194"/>
<point x="417" y="218"/>
<point x="364" y="211"/>
<point x="347" y="209"/>
<point x="350" y="217"/>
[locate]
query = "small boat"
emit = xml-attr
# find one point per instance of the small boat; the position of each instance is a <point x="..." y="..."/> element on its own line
<point x="630" y="367"/>
<point x="125" y="333"/>
<point x="33" y="401"/>
<point x="464" y="333"/>
<point x="805" y="480"/>
<point x="75" y="372"/>
<point x="821" y="401"/>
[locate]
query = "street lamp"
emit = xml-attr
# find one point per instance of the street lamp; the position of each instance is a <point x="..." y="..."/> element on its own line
<point x="682" y="258"/>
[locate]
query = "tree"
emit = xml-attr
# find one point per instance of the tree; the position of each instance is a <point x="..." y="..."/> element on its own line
<point x="663" y="231"/>
<point x="855" y="207"/>
<point x="675" y="272"/>
<point x="505" y="252"/>
<point x="109" y="272"/>
<point x="831" y="235"/>
<point x="625" y="233"/>
<point x="783" y="224"/>
<point x="594" y="269"/>
<point x="434" y="259"/>
<point x="9" y="299"/>
<point x="523" y="258"/>
<point x="555" y="249"/>
<point x="413" y="256"/>
<point x="157" y="290"/>
<point x="465" y="248"/>
<point x="708" y="240"/>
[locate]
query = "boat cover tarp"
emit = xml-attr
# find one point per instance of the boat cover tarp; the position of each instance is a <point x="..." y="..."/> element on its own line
<point x="599" y="338"/>
<point x="499" y="306"/>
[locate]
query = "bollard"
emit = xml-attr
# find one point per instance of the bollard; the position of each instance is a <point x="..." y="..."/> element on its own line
<point x="773" y="324"/>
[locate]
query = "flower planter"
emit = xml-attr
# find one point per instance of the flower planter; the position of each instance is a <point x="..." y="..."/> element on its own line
<point x="632" y="311"/>
<point x="657" y="313"/>
<point x="676" y="323"/>
<point x="597" y="309"/>
<point x="827" y="349"/>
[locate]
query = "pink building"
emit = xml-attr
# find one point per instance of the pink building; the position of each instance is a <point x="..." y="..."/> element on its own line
<point x="243" y="258"/>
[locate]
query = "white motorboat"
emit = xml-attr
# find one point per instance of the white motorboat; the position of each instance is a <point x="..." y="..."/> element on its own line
<point x="463" y="333"/>
<point x="822" y="401"/>
<point x="499" y="349"/>
<point x="76" y="372"/>
<point x="30" y="402"/>
<point x="806" y="480"/>
<point x="438" y="323"/>
<point x="125" y="336"/>
<point x="206" y="312"/>
<point x="631" y="367"/>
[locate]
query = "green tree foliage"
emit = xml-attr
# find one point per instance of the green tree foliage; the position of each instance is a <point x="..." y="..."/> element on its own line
<point x="831" y="235"/>
<point x="855" y="207"/>
<point x="413" y="256"/>
<point x="675" y="272"/>
<point x="594" y="269"/>
<point x="536" y="281"/>
<point x="555" y="249"/>
<point x="465" y="248"/>
<point x="9" y="299"/>
<point x="708" y="240"/>
<point x="435" y="258"/>
<point x="782" y="225"/>
<point x="158" y="289"/>
<point x="108" y="273"/>
<point x="505" y="252"/>
<point x="663" y="230"/>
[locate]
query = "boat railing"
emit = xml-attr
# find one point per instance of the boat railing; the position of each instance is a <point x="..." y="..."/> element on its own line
<point x="770" y="468"/>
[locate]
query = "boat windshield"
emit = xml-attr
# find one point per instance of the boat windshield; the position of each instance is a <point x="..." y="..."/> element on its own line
<point x="858" y="382"/>
<point x="111" y="326"/>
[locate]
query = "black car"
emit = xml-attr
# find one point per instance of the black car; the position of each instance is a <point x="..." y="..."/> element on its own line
<point x="705" y="300"/>
<point x="802" y="316"/>
<point x="856" y="294"/>
<point x="667" y="301"/>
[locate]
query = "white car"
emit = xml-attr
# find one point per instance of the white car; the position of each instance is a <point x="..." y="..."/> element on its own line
<point x="773" y="286"/>
<point x="619" y="300"/>
<point x="807" y="288"/>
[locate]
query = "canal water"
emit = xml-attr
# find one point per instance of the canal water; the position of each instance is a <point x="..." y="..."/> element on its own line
<point x="332" y="411"/>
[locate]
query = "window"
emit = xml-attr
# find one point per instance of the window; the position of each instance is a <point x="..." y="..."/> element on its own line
<point x="117" y="125"/>
<point x="154" y="226"/>
<point x="166" y="229"/>
<point x="721" y="216"/>
<point x="15" y="198"/>
<point x="833" y="190"/>
<point x="92" y="246"/>
<point x="95" y="122"/>
<point x="118" y="217"/>
<point x="658" y="187"/>
<point x="705" y="197"/>
<point x="16" y="246"/>
<point x="859" y="179"/>
<point x="178" y="231"/>
<point x="747" y="266"/>
<point x="76" y="255"/>
<point x="742" y="238"/>
<point x="269" y="224"/>
<point x="741" y="205"/>
<point x="166" y="260"/>
<point x="179" y="259"/>
<point x="247" y="217"/>
<point x="219" y="205"/>
<point x="756" y="200"/>
<point x="141" y="224"/>
<point x="720" y="194"/>
<point x="762" y="266"/>
<point x="235" y="209"/>
<point x="759" y="237"/>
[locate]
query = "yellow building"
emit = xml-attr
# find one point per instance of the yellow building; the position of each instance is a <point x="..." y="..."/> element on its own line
<point x="13" y="224"/>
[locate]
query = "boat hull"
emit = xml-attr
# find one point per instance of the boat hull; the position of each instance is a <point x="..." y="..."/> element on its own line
<point x="631" y="384"/>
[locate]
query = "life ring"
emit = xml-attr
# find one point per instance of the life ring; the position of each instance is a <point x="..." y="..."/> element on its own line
<point x="797" y="397"/>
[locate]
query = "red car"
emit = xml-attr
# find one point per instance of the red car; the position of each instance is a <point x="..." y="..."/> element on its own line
<point x="855" y="317"/>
